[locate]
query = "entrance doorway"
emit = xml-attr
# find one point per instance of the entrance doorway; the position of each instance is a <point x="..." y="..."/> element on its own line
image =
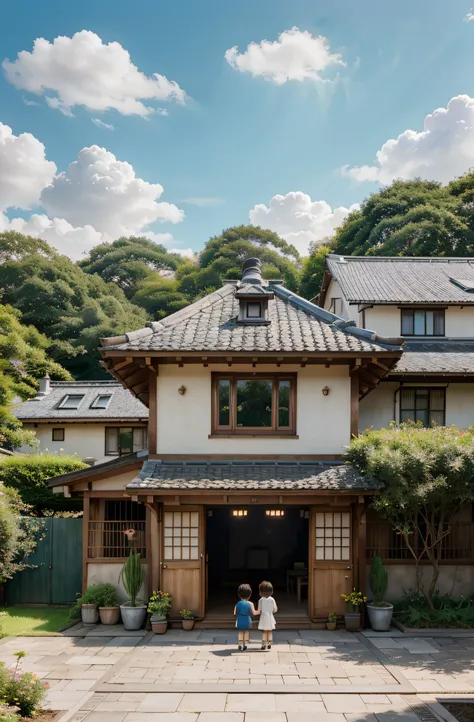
<point x="250" y="544"/>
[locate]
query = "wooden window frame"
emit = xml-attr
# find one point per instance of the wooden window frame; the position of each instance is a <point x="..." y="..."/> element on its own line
<point x="125" y="426"/>
<point x="55" y="431"/>
<point x="411" y="311"/>
<point x="232" y="429"/>
<point x="423" y="388"/>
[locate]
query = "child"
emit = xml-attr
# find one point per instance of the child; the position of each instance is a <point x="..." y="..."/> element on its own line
<point x="242" y="611"/>
<point x="267" y="608"/>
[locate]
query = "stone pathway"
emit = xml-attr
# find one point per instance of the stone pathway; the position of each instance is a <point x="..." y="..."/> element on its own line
<point x="200" y="676"/>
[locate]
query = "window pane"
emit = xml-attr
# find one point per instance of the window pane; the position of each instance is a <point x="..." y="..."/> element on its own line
<point x="224" y="402"/>
<point x="439" y="323"/>
<point x="102" y="401"/>
<point x="254" y="403"/>
<point x="284" y="403"/>
<point x="422" y="397"/>
<point x="71" y="401"/>
<point x="429" y="323"/>
<point x="407" y="323"/>
<point x="126" y="441"/>
<point x="407" y="399"/>
<point x="111" y="441"/>
<point x="408" y="415"/>
<point x="139" y="442"/>
<point x="254" y="310"/>
<point x="437" y="399"/>
<point x="419" y="323"/>
<point x="422" y="416"/>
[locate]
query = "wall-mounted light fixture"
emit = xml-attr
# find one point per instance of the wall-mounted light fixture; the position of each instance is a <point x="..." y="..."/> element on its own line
<point x="239" y="512"/>
<point x="326" y="391"/>
<point x="182" y="390"/>
<point x="275" y="512"/>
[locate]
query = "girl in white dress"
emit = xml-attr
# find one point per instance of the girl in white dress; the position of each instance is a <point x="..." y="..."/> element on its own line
<point x="267" y="608"/>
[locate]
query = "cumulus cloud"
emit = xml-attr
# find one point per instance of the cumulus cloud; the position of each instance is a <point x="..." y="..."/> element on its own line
<point x="100" y="124"/>
<point x="298" y="219"/>
<point x="469" y="17"/>
<point x="83" y="70"/>
<point x="57" y="104"/>
<point x="441" y="151"/>
<point x="185" y="252"/>
<point x="296" y="55"/>
<point x="24" y="169"/>
<point x="99" y="190"/>
<point x="66" y="239"/>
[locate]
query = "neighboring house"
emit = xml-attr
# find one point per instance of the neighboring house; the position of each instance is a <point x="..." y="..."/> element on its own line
<point x="253" y="395"/>
<point x="429" y="302"/>
<point x="97" y="420"/>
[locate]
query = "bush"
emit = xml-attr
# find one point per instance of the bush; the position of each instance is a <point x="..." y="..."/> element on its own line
<point x="21" y="690"/>
<point x="17" y="538"/>
<point x="103" y="595"/>
<point x="29" y="476"/>
<point x="413" y="611"/>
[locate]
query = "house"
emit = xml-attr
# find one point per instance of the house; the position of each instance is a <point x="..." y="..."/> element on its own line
<point x="97" y="420"/>
<point x="253" y="393"/>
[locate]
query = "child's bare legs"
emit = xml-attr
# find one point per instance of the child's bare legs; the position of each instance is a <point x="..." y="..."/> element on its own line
<point x="265" y="634"/>
<point x="246" y="639"/>
<point x="240" y="639"/>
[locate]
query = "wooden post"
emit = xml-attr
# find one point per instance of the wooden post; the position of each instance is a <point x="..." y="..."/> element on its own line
<point x="354" y="404"/>
<point x="362" y="544"/>
<point x="85" y="540"/>
<point x="153" y="409"/>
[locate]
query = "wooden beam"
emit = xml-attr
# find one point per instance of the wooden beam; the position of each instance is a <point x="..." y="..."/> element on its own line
<point x="362" y="550"/>
<point x="153" y="412"/>
<point x="85" y="540"/>
<point x="122" y="364"/>
<point x="354" y="405"/>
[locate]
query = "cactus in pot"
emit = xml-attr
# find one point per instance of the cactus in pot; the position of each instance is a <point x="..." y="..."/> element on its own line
<point x="379" y="611"/>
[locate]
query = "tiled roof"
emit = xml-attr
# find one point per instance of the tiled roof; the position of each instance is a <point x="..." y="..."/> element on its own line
<point x="210" y="324"/>
<point x="404" y="280"/>
<point x="431" y="357"/>
<point x="252" y="476"/>
<point x="122" y="405"/>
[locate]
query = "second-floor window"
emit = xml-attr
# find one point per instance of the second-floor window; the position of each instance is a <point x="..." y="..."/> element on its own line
<point x="422" y="322"/>
<point x="427" y="405"/>
<point x="254" y="404"/>
<point x="120" y="440"/>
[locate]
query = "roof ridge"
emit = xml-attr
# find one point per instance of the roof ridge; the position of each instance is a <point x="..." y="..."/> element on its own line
<point x="75" y="382"/>
<point x="390" y="259"/>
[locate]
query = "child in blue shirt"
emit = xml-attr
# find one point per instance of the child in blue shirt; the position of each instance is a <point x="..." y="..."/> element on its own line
<point x="243" y="611"/>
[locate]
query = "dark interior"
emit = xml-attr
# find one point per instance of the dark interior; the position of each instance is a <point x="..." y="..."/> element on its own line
<point x="253" y="547"/>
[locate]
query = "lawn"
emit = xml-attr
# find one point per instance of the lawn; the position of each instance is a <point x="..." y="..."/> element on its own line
<point x="32" y="621"/>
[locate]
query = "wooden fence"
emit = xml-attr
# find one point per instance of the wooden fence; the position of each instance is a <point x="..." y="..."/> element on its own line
<point x="456" y="547"/>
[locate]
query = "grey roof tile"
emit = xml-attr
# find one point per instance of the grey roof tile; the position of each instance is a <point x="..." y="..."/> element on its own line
<point x="122" y="405"/>
<point x="250" y="475"/>
<point x="403" y="280"/>
<point x="430" y="357"/>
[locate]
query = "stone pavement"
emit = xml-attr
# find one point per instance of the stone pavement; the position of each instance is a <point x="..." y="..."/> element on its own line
<point x="200" y="676"/>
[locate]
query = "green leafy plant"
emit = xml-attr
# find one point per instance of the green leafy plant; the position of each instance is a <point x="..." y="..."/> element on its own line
<point x="355" y="599"/>
<point x="332" y="617"/>
<point x="413" y="611"/>
<point x="186" y="614"/>
<point x="24" y="690"/>
<point x="8" y="714"/>
<point x="378" y="581"/>
<point x="159" y="604"/>
<point x="102" y="595"/>
<point x="133" y="576"/>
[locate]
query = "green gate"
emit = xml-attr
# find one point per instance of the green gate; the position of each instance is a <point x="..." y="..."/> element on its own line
<point x="56" y="576"/>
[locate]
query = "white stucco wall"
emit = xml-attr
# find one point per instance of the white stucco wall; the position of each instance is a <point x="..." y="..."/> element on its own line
<point x="110" y="574"/>
<point x="386" y="320"/>
<point x="184" y="422"/>
<point x="335" y="291"/>
<point x="85" y="440"/>
<point x="377" y="408"/>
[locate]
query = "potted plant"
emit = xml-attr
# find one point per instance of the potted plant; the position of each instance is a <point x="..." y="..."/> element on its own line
<point x="87" y="604"/>
<point x="133" y="576"/>
<point x="332" y="620"/>
<point x="109" y="609"/>
<point x="159" y="607"/>
<point x="379" y="611"/>
<point x="188" y="619"/>
<point x="352" y="619"/>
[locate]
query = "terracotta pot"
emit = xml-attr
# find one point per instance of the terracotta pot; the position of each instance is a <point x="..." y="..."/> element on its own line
<point x="109" y="615"/>
<point x="159" y="627"/>
<point x="352" y="621"/>
<point x="330" y="625"/>
<point x="89" y="614"/>
<point x="188" y="624"/>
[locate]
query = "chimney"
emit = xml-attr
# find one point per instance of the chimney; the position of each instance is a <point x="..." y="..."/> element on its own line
<point x="252" y="271"/>
<point x="44" y="385"/>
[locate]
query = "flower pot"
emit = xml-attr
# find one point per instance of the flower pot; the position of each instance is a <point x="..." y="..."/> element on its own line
<point x="159" y="624"/>
<point x="109" y="615"/>
<point x="188" y="624"/>
<point x="89" y="614"/>
<point x="352" y="621"/>
<point x="380" y="617"/>
<point x="331" y="625"/>
<point x="133" y="618"/>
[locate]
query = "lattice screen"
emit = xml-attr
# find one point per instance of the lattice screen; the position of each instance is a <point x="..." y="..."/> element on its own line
<point x="181" y="532"/>
<point x="333" y="535"/>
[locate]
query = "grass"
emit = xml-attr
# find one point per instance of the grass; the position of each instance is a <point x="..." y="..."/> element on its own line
<point x="32" y="621"/>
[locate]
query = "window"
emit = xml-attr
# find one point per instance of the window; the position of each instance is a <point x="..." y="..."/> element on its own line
<point x="333" y="534"/>
<point x="422" y="322"/>
<point x="427" y="405"/>
<point x="101" y="401"/>
<point x="124" y="440"/>
<point x="181" y="535"/>
<point x="109" y="520"/>
<point x="71" y="401"/>
<point x="254" y="404"/>
<point x="254" y="309"/>
<point x="58" y="435"/>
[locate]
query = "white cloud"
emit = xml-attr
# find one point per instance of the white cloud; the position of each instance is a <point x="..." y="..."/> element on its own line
<point x="298" y="219"/>
<point x="443" y="150"/>
<point x="296" y="55"/>
<point x="469" y="17"/>
<point x="204" y="201"/>
<point x="164" y="239"/>
<point x="57" y="104"/>
<point x="30" y="102"/>
<point x="82" y="70"/>
<point x="185" y="252"/>
<point x="100" y="124"/>
<point x="162" y="111"/>
<point x="99" y="190"/>
<point x="67" y="240"/>
<point x="24" y="169"/>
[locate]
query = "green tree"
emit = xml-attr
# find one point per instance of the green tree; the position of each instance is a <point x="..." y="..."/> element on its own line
<point x="313" y="267"/>
<point x="427" y="475"/>
<point x="408" y="218"/>
<point x="73" y="309"/>
<point x="23" y="360"/>
<point x="17" y="539"/>
<point x="160" y="296"/>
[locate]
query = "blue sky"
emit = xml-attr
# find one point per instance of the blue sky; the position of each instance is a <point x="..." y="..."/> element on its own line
<point x="239" y="140"/>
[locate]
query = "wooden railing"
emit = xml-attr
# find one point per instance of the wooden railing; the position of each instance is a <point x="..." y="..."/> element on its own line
<point x="457" y="546"/>
<point x="106" y="539"/>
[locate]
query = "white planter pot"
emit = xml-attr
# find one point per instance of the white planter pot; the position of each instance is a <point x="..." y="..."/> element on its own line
<point x="133" y="618"/>
<point x="89" y="614"/>
<point x="380" y="617"/>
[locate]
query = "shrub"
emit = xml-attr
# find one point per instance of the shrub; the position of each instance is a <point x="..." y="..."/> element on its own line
<point x="8" y="714"/>
<point x="378" y="580"/>
<point x="18" y="537"/>
<point x="103" y="595"/>
<point x="160" y="604"/>
<point x="413" y="611"/>
<point x="22" y="690"/>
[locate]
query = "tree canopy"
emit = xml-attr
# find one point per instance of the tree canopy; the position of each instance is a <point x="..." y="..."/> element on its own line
<point x="17" y="539"/>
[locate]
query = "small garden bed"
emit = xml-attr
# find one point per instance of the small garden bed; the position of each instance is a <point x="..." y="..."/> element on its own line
<point x="32" y="621"/>
<point x="463" y="711"/>
<point x="413" y="612"/>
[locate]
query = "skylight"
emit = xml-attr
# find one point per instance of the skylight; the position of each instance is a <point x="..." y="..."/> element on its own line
<point x="101" y="401"/>
<point x="464" y="283"/>
<point x="71" y="401"/>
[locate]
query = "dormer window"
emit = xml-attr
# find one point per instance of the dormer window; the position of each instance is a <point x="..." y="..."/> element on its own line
<point x="254" y="310"/>
<point x="71" y="401"/>
<point x="253" y="295"/>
